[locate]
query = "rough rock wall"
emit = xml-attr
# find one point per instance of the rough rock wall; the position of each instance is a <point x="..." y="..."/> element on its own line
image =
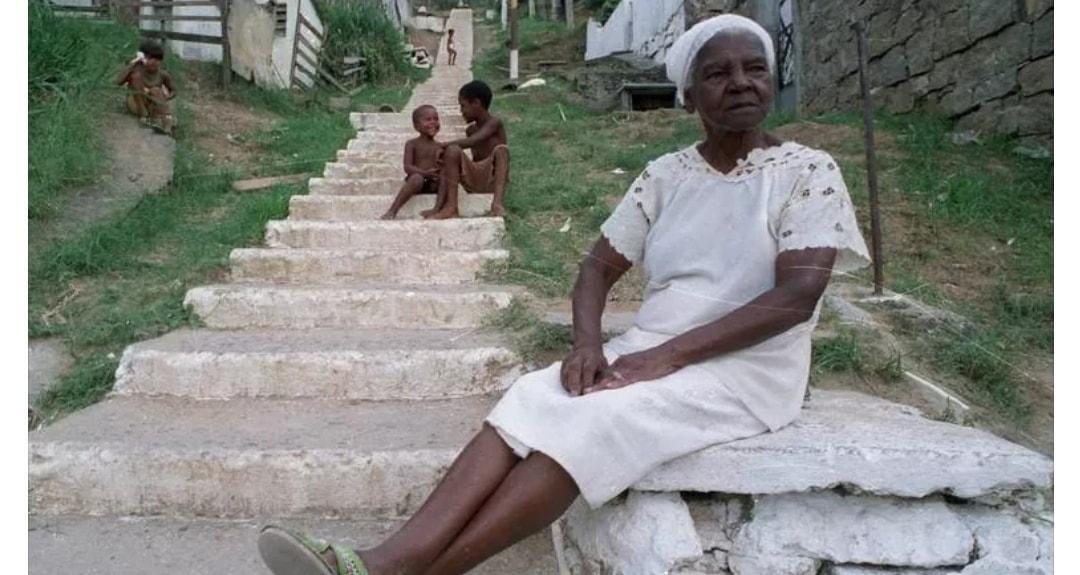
<point x="987" y="63"/>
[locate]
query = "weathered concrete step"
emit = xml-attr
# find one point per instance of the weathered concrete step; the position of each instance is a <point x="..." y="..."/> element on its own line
<point x="398" y="136"/>
<point x="377" y="149"/>
<point x="346" y="156"/>
<point x="865" y="444"/>
<point x="255" y="458"/>
<point x="138" y="546"/>
<point x="353" y="208"/>
<point x="367" y="120"/>
<point x="355" y="187"/>
<point x="242" y="306"/>
<point x="247" y="458"/>
<point x="319" y="363"/>
<point x="459" y="234"/>
<point x="339" y="170"/>
<point x="349" y="266"/>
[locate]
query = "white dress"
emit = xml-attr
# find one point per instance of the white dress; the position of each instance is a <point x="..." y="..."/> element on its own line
<point x="708" y="241"/>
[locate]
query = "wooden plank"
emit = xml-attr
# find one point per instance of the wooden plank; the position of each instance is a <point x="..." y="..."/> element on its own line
<point x="179" y="18"/>
<point x="226" y="46"/>
<point x="333" y="81"/>
<point x="307" y="44"/>
<point x="300" y="20"/>
<point x="182" y="36"/>
<point x="263" y="183"/>
<point x="308" y="59"/>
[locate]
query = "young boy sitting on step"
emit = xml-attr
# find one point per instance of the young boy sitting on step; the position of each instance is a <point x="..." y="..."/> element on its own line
<point x="488" y="170"/>
<point x="422" y="155"/>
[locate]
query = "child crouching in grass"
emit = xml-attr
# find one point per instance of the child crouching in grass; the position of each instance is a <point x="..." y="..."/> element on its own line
<point x="422" y="157"/>
<point x="150" y="88"/>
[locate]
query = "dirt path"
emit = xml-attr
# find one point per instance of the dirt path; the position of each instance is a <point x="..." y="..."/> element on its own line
<point x="140" y="162"/>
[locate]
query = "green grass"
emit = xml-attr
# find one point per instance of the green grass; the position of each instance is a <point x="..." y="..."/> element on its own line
<point x="72" y="65"/>
<point x="536" y="341"/>
<point x="123" y="280"/>
<point x="362" y="29"/>
<point x="838" y="354"/>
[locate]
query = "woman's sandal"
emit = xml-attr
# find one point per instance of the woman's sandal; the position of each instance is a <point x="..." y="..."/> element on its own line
<point x="289" y="553"/>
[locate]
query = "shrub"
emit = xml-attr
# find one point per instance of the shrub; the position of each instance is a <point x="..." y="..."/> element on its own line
<point x="362" y="29"/>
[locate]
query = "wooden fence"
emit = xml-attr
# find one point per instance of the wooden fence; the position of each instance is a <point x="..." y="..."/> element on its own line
<point x="305" y="55"/>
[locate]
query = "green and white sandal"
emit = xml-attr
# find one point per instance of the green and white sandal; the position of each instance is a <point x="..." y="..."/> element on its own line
<point x="289" y="553"/>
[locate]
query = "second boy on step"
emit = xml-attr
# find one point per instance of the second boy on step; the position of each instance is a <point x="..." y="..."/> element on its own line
<point x="439" y="167"/>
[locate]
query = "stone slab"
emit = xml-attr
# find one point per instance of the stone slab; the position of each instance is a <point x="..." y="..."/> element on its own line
<point x="49" y="360"/>
<point x="349" y="266"/>
<point x="856" y="529"/>
<point x="245" y="458"/>
<point x="338" y="170"/>
<point x="327" y="364"/>
<point x="384" y="188"/>
<point x="460" y="234"/>
<point x="354" y="208"/>
<point x="239" y="306"/>
<point x="138" y="546"/>
<point x="863" y="443"/>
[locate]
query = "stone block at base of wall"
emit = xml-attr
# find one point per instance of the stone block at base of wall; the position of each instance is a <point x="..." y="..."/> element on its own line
<point x="801" y="534"/>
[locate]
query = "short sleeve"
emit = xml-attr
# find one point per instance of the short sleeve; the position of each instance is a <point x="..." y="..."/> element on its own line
<point x="819" y="214"/>
<point x="628" y="226"/>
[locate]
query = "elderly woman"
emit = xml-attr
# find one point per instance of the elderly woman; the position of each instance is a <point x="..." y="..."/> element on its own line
<point x="738" y="234"/>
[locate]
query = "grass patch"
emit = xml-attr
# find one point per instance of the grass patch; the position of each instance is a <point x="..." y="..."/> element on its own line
<point x="838" y="354"/>
<point x="535" y="340"/>
<point x="362" y="29"/>
<point x="72" y="64"/>
<point x="123" y="280"/>
<point x="979" y="359"/>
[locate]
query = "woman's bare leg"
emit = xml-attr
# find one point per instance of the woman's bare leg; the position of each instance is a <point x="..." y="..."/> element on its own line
<point x="535" y="493"/>
<point x="476" y="473"/>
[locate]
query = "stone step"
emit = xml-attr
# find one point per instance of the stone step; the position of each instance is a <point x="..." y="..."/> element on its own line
<point x="254" y="458"/>
<point x="343" y="171"/>
<point x="355" y="157"/>
<point x="459" y="234"/>
<point x="246" y="458"/>
<point x="353" y="208"/>
<point x="355" y="187"/>
<point x="379" y="149"/>
<point x="349" y="266"/>
<point x="142" y="545"/>
<point x="373" y="306"/>
<point x="319" y="363"/>
<point x="398" y="138"/>
<point x="368" y="120"/>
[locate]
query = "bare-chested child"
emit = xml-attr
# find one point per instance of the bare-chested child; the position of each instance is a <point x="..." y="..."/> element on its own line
<point x="150" y="88"/>
<point x="450" y="50"/>
<point x="488" y="170"/>
<point x="421" y="162"/>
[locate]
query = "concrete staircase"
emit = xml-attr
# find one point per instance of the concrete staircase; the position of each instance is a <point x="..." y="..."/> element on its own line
<point x="340" y="371"/>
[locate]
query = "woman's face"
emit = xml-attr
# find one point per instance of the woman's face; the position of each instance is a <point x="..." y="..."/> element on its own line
<point x="732" y="85"/>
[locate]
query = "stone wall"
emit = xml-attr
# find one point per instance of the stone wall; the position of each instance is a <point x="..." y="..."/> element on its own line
<point x="987" y="63"/>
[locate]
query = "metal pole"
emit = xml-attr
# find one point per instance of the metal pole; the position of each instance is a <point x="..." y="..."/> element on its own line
<point x="570" y="14"/>
<point x="514" y="39"/>
<point x="871" y="160"/>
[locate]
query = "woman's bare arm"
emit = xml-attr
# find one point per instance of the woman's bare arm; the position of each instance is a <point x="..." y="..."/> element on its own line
<point x="801" y="277"/>
<point x="597" y="274"/>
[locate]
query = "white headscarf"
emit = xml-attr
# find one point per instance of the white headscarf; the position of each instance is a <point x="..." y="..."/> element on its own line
<point x="681" y="55"/>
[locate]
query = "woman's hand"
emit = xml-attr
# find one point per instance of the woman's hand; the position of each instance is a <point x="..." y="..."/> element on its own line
<point x="582" y="368"/>
<point x="631" y="368"/>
